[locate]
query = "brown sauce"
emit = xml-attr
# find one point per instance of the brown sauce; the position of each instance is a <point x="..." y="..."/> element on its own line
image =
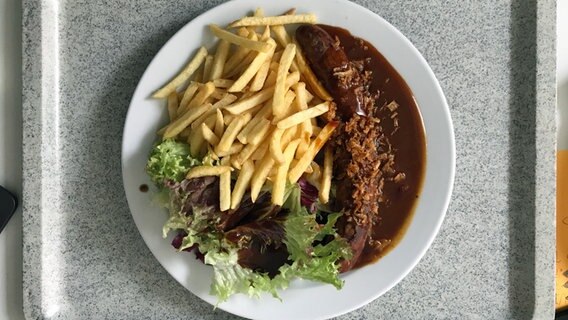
<point x="143" y="188"/>
<point x="408" y="142"/>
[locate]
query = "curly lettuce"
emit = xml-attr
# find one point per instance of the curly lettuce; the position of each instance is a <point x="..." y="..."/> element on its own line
<point x="170" y="160"/>
<point x="310" y="261"/>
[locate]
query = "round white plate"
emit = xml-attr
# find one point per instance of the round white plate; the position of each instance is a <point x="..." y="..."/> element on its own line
<point x="303" y="300"/>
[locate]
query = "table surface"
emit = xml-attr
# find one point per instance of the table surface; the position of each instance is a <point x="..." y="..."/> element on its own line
<point x="11" y="142"/>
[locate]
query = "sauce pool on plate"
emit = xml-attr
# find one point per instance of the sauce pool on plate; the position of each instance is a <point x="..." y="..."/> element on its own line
<point x="406" y="138"/>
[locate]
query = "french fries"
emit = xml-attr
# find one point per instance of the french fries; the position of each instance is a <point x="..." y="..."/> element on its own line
<point x="251" y="105"/>
<point x="253" y="68"/>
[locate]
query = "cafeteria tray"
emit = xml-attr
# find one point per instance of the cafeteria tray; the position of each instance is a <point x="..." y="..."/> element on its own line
<point x="493" y="257"/>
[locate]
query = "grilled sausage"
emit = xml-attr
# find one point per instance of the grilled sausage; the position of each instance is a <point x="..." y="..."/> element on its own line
<point x="332" y="67"/>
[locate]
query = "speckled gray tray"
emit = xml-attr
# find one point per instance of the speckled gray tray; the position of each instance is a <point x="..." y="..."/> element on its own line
<point x="493" y="258"/>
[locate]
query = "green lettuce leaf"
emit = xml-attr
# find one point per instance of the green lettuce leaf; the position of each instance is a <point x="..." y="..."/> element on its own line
<point x="319" y="263"/>
<point x="170" y="160"/>
<point x="309" y="260"/>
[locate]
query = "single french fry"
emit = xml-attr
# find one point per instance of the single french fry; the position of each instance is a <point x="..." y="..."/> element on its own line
<point x="270" y="79"/>
<point x="206" y="171"/>
<point x="259" y="12"/>
<point x="250" y="102"/>
<point x="188" y="94"/>
<point x="261" y="150"/>
<point x="260" y="77"/>
<point x="315" y="177"/>
<point x="280" y="87"/>
<point x="207" y="67"/>
<point x="325" y="185"/>
<point x="303" y="146"/>
<point x="172" y="106"/>
<point x="189" y="69"/>
<point x="242" y="183"/>
<point x="279" y="184"/>
<point x="209" y="135"/>
<point x="276" y="20"/>
<point x="182" y="122"/>
<point x="225" y="186"/>
<point x="196" y="143"/>
<point x="297" y="171"/>
<point x="219" y="60"/>
<point x="301" y="95"/>
<point x="303" y="115"/>
<point x="223" y="83"/>
<point x="265" y="34"/>
<point x="234" y="149"/>
<point x="219" y="125"/>
<point x="252" y="69"/>
<point x="198" y="75"/>
<point x="238" y="40"/>
<point x="259" y="176"/>
<point x="235" y="164"/>
<point x="259" y="132"/>
<point x="276" y="146"/>
<point x="230" y="134"/>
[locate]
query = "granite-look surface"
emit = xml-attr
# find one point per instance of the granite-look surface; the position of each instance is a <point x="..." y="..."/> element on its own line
<point x="494" y="255"/>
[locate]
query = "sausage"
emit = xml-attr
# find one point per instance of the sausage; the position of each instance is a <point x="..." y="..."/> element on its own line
<point x="345" y="84"/>
<point x="332" y="67"/>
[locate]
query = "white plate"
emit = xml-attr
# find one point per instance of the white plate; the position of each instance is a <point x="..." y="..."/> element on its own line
<point x="303" y="300"/>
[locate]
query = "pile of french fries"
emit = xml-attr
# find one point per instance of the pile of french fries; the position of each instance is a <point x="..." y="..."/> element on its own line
<point x="252" y="105"/>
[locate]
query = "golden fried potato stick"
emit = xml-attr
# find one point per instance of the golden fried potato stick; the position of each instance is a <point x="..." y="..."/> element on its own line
<point x="219" y="60"/>
<point x="242" y="183"/>
<point x="325" y="184"/>
<point x="184" y="75"/>
<point x="279" y="184"/>
<point x="276" y="20"/>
